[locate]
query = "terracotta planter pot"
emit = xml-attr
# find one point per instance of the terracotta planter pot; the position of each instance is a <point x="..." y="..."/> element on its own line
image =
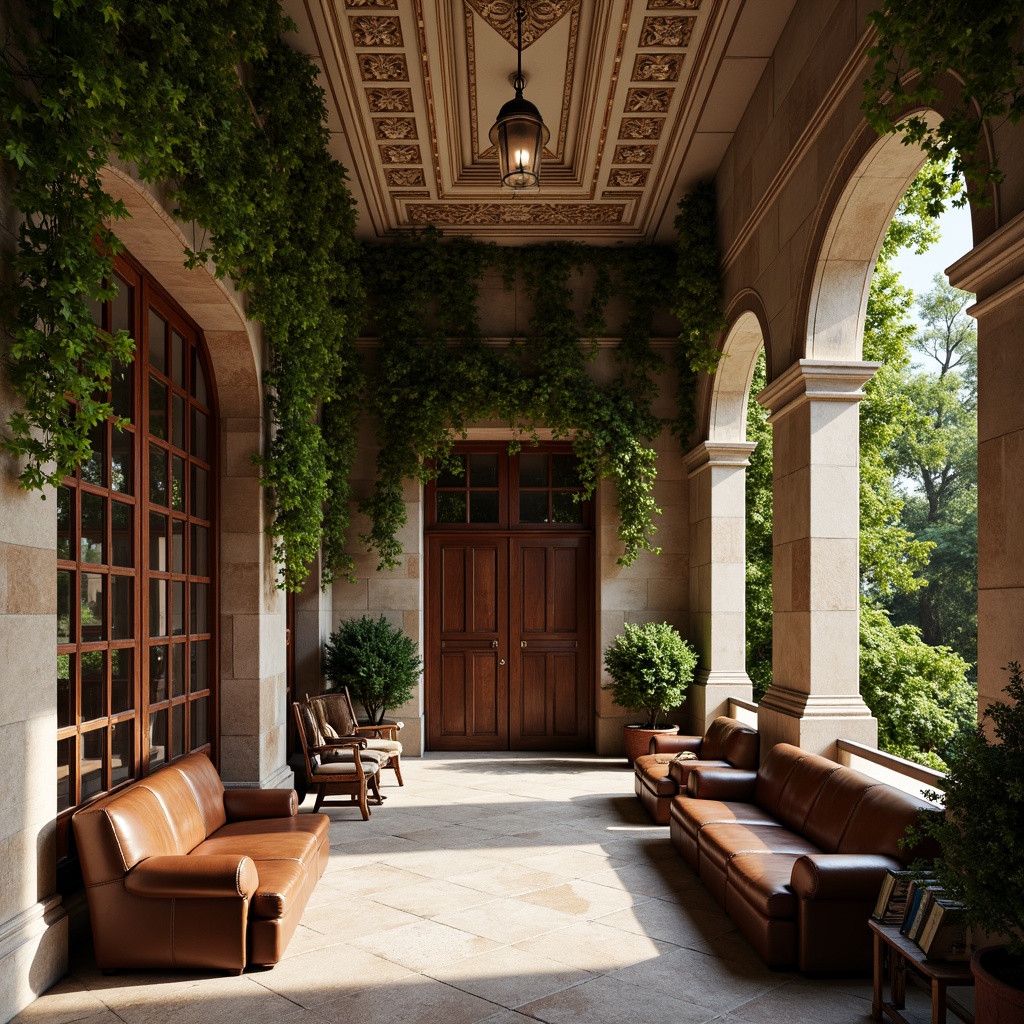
<point x="638" y="739"/>
<point x="995" y="1002"/>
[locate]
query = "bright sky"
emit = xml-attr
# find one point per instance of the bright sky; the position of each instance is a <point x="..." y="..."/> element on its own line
<point x="917" y="271"/>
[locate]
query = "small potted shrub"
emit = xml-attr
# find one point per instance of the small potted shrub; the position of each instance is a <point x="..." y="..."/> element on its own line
<point x="650" y="666"/>
<point x="376" y="661"/>
<point x="981" y="834"/>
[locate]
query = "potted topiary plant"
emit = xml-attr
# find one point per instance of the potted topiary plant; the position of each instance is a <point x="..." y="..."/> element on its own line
<point x="651" y="666"/>
<point x="981" y="833"/>
<point x="376" y="661"/>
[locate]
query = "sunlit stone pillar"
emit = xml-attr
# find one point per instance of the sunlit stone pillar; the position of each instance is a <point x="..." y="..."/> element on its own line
<point x="815" y="697"/>
<point x="717" y="473"/>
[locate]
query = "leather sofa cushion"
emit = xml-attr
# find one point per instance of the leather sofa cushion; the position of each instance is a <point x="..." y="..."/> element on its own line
<point x="722" y="841"/>
<point x="802" y="788"/>
<point x="295" y="846"/>
<point x="141" y="828"/>
<point x="653" y="770"/>
<point x="282" y="885"/>
<point x="897" y="810"/>
<point x="201" y="777"/>
<point x="831" y="813"/>
<point x="773" y="775"/>
<point x="693" y="814"/>
<point x="315" y="825"/>
<point x="679" y="771"/>
<point x="763" y="882"/>
<point x="731" y="741"/>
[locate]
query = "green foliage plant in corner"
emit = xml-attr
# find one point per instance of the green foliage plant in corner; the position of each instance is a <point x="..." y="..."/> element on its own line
<point x="651" y="667"/>
<point x="376" y="661"/>
<point x="981" y="831"/>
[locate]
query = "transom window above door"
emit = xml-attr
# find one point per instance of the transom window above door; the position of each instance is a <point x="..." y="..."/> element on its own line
<point x="488" y="488"/>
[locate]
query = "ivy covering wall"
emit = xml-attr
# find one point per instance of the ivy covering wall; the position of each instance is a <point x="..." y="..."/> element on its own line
<point x="208" y="99"/>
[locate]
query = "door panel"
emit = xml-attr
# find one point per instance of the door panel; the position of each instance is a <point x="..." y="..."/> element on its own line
<point x="467" y="701"/>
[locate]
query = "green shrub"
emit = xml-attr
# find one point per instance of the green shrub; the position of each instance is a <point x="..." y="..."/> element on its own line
<point x="651" y="666"/>
<point x="376" y="661"/>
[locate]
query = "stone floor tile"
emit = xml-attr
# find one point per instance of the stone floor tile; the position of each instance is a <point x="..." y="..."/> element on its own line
<point x="507" y="920"/>
<point x="425" y="944"/>
<point x="807" y="1002"/>
<point x="511" y="977"/>
<point x="582" y="899"/>
<point x="367" y="879"/>
<point x="591" y="946"/>
<point x="506" y="879"/>
<point x="414" y="1000"/>
<point x="431" y="897"/>
<point x="671" y="921"/>
<point x="660" y="879"/>
<point x="355" y="915"/>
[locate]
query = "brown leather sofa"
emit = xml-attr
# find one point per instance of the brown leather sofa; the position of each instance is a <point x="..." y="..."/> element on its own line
<point x="658" y="776"/>
<point x="180" y="872"/>
<point x="796" y="852"/>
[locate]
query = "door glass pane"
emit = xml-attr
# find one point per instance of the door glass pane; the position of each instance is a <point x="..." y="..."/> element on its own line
<point x="122" y="444"/>
<point x="533" y="471"/>
<point x="94" y="749"/>
<point x="65" y="520"/>
<point x="121" y="755"/>
<point x="483" y="471"/>
<point x="199" y="677"/>
<point x="93" y="467"/>
<point x="200" y="610"/>
<point x="157" y="542"/>
<point x="157" y="341"/>
<point x="93" y="609"/>
<point x="200" y="442"/>
<point x="178" y="545"/>
<point x="565" y="508"/>
<point x="158" y="620"/>
<point x="121" y="307"/>
<point x="200" y="551"/>
<point x="200" y="507"/>
<point x="157" y="475"/>
<point x="157" y="739"/>
<point x="122" y="535"/>
<point x="157" y="674"/>
<point x="177" y="483"/>
<point x="451" y="506"/>
<point x="178" y="359"/>
<point x="65" y="757"/>
<point x="198" y="379"/>
<point x="533" y="506"/>
<point x="177" y="730"/>
<point x="121" y="689"/>
<point x="94" y="529"/>
<point x="94" y="685"/>
<point x="483" y="506"/>
<point x="450" y="478"/>
<point x="178" y="607"/>
<point x="122" y="607"/>
<point x="565" y="471"/>
<point x="65" y="581"/>
<point x="177" y="670"/>
<point x="199" y="712"/>
<point x="65" y="690"/>
<point x="177" y="421"/>
<point x="157" y="408"/>
<point x="122" y="392"/>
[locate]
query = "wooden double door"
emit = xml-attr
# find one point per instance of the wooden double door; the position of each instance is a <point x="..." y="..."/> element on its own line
<point x="509" y="613"/>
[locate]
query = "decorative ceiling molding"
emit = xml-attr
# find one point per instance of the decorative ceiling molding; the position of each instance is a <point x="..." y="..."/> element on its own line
<point x="517" y="213"/>
<point x="540" y="15"/>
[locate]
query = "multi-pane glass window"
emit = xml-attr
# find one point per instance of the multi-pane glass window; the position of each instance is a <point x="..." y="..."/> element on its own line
<point x="135" y="579"/>
<point x="491" y="488"/>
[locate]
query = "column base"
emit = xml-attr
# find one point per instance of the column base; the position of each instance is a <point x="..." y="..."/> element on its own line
<point x="813" y="722"/>
<point x="708" y="697"/>
<point x="33" y="954"/>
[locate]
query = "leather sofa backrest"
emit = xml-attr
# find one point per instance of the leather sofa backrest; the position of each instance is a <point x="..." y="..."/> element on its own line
<point x="198" y="772"/>
<point x="778" y="765"/>
<point x="828" y="819"/>
<point x="730" y="740"/>
<point x="802" y="789"/>
<point x="880" y="821"/>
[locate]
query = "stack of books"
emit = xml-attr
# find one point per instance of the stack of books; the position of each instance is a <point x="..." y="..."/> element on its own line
<point x="925" y="915"/>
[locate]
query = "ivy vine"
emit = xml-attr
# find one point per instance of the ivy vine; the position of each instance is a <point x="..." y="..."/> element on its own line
<point x="918" y="41"/>
<point x="209" y="99"/>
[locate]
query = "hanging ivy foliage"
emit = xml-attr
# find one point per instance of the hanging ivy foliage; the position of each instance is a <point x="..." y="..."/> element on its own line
<point x="208" y="99"/>
<point x="918" y="42"/>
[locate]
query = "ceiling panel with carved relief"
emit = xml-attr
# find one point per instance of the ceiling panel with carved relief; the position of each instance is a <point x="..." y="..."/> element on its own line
<point x="640" y="97"/>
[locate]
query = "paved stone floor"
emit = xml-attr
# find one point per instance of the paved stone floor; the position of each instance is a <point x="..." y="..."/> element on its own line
<point x="490" y="888"/>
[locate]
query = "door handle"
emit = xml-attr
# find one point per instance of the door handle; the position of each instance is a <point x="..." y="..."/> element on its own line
<point x="494" y="643"/>
<point x="522" y="643"/>
<point x="502" y="662"/>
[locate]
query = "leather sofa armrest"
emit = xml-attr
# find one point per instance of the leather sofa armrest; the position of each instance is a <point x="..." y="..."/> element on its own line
<point x="189" y="877"/>
<point x="250" y="804"/>
<point x="675" y="744"/>
<point x="721" y="784"/>
<point x="840" y="876"/>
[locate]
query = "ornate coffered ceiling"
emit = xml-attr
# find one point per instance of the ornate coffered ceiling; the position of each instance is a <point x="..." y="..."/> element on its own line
<point x="641" y="98"/>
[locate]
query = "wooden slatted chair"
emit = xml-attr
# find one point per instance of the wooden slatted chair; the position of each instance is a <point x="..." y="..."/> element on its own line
<point x="336" y="718"/>
<point x="340" y="765"/>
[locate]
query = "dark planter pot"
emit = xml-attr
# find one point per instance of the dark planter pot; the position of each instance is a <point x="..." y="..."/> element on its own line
<point x="995" y="1000"/>
<point x="638" y="739"/>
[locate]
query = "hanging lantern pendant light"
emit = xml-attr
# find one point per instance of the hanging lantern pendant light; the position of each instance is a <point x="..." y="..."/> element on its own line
<point x="519" y="134"/>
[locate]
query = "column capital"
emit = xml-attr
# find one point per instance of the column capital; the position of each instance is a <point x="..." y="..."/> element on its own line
<point x="817" y="380"/>
<point x="994" y="269"/>
<point x="708" y="454"/>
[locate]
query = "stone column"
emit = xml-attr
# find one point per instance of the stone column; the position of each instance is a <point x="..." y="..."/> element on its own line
<point x="717" y="507"/>
<point x="815" y="696"/>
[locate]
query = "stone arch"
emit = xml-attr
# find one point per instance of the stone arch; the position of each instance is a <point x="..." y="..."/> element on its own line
<point x="730" y="386"/>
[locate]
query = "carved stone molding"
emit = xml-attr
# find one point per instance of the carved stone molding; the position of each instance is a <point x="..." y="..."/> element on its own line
<point x="627" y="178"/>
<point x="406" y="177"/>
<point x="381" y="101"/>
<point x="383" y="67"/>
<point x="400" y="154"/>
<point x="634" y="154"/>
<point x="394" y="128"/>
<point x="681" y="5"/>
<point x="540" y="16"/>
<point x="648" y="101"/>
<point x="657" y="67"/>
<point x="368" y="31"/>
<point x="387" y="5"/>
<point x="670" y="31"/>
<point x="641" y="128"/>
<point x="487" y="214"/>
